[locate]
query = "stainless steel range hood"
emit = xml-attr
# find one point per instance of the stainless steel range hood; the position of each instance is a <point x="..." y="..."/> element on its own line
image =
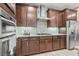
<point x="42" y="13"/>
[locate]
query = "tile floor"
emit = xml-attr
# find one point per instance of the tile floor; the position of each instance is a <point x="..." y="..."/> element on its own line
<point x="63" y="52"/>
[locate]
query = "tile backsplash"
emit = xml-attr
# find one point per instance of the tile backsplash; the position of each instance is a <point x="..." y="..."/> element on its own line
<point x="53" y="30"/>
<point x="22" y="30"/>
<point x="41" y="28"/>
<point x="34" y="31"/>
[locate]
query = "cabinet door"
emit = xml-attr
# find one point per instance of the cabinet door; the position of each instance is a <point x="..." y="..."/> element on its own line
<point x="54" y="15"/>
<point x="56" y="43"/>
<point x="18" y="15"/>
<point x="64" y="19"/>
<point x="25" y="47"/>
<point x="21" y="15"/>
<point x="63" y="42"/>
<point x="18" y="47"/>
<point x="60" y="20"/>
<point x="33" y="45"/>
<point x="31" y="16"/>
<point x="24" y="15"/>
<point x="42" y="44"/>
<point x="71" y="15"/>
<point x="49" y="44"/>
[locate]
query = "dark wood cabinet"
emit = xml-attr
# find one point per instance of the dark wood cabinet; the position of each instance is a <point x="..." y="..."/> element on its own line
<point x="45" y="44"/>
<point x="21" y="12"/>
<point x="18" y="47"/>
<point x="64" y="19"/>
<point x="31" y="16"/>
<point x="59" y="42"/>
<point x="68" y="14"/>
<point x="54" y="17"/>
<point x="60" y="19"/>
<point x="56" y="42"/>
<point x="24" y="46"/>
<point x="42" y="44"/>
<point x="49" y="44"/>
<point x="63" y="42"/>
<point x="26" y="15"/>
<point x="34" y="45"/>
<point x="71" y="14"/>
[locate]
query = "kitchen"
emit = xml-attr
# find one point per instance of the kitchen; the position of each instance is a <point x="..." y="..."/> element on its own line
<point x="38" y="28"/>
<point x="43" y="29"/>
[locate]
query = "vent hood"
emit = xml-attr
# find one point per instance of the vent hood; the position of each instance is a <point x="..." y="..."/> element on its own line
<point x="42" y="13"/>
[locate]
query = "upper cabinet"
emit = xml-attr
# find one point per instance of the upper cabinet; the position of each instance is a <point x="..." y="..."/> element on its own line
<point x="71" y="14"/>
<point x="21" y="12"/>
<point x="59" y="18"/>
<point x="26" y="15"/>
<point x="54" y="17"/>
<point x="68" y="14"/>
<point x="31" y="16"/>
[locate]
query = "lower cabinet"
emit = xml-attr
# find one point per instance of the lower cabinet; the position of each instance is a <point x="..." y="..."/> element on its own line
<point x="34" y="45"/>
<point x="56" y="43"/>
<point x="59" y="42"/>
<point x="49" y="44"/>
<point x="42" y="44"/>
<point x="24" y="46"/>
<point x="18" y="47"/>
<point x="63" y="42"/>
<point x="45" y="44"/>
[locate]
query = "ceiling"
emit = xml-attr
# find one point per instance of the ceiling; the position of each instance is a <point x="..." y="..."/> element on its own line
<point x="58" y="6"/>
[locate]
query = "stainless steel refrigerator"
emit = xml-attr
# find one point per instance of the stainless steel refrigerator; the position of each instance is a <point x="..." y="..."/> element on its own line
<point x="72" y="34"/>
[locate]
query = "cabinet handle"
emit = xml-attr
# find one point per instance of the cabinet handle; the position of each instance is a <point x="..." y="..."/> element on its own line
<point x="27" y="43"/>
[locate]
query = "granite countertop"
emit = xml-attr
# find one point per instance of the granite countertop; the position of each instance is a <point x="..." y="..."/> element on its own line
<point x="39" y="35"/>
